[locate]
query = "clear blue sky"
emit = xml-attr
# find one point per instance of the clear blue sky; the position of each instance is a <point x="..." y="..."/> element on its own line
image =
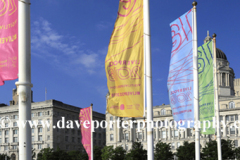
<point x="70" y="40"/>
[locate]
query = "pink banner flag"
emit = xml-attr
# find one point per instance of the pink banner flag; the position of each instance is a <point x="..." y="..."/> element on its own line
<point x="85" y="118"/>
<point x="8" y="40"/>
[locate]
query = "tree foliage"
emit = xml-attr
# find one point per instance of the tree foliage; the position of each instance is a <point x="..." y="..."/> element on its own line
<point x="210" y="152"/>
<point x="107" y="152"/>
<point x="163" y="151"/>
<point x="97" y="152"/>
<point x="137" y="152"/>
<point x="237" y="153"/>
<point x="187" y="151"/>
<point x="119" y="153"/>
<point x="2" y="157"/>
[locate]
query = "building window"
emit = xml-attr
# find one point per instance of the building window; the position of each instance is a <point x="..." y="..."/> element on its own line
<point x="221" y="118"/>
<point x="14" y="147"/>
<point x="163" y="134"/>
<point x="236" y="117"/>
<point x="236" y="143"/>
<point x="189" y="132"/>
<point x="0" y="140"/>
<point x="6" y="140"/>
<point x="173" y="145"/>
<point x="178" y="144"/>
<point x="67" y="147"/>
<point x="66" y="138"/>
<point x="176" y="133"/>
<point x="32" y="138"/>
<point x="223" y="79"/>
<point x="126" y="147"/>
<point x="231" y="105"/>
<point x="32" y="130"/>
<point x="163" y="112"/>
<point x="111" y="118"/>
<point x="40" y="138"/>
<point x="99" y="135"/>
<point x="73" y="139"/>
<point x="40" y="130"/>
<point x="227" y="130"/>
<point x="5" y="148"/>
<point x="6" y="125"/>
<point x="48" y="137"/>
<point x="6" y="132"/>
<point x="140" y="135"/>
<point x="15" y="131"/>
<point x="15" y="139"/>
<point x="39" y="114"/>
<point x="39" y="121"/>
<point x="111" y="137"/>
<point x="32" y="114"/>
<point x="39" y="146"/>
<point x="111" y="127"/>
<point x="0" y="133"/>
<point x="232" y="130"/>
<point x="14" y="124"/>
<point x="126" y="136"/>
<point x="48" y="112"/>
<point x="15" y="116"/>
<point x="79" y="140"/>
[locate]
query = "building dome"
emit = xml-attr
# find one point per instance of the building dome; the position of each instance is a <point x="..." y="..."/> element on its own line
<point x="221" y="54"/>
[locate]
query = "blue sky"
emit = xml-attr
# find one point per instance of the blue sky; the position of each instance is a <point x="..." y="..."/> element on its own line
<point x="69" y="40"/>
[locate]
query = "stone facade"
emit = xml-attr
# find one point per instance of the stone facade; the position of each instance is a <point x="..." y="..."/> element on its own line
<point x="50" y="111"/>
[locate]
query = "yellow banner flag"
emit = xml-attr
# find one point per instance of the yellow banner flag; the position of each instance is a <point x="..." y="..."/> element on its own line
<point x="124" y="62"/>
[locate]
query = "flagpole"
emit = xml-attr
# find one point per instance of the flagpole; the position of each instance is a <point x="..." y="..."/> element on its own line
<point x="24" y="79"/>
<point x="195" y="82"/>
<point x="216" y="98"/>
<point x="91" y="133"/>
<point x="148" y="74"/>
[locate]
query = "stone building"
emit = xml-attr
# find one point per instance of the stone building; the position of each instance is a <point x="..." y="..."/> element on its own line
<point x="51" y="112"/>
<point x="229" y="103"/>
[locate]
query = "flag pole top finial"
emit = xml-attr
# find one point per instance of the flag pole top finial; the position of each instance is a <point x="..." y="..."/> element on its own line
<point x="91" y="104"/>
<point x="214" y="35"/>
<point x="194" y="3"/>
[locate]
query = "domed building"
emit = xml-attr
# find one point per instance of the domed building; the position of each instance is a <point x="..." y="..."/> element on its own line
<point x="229" y="104"/>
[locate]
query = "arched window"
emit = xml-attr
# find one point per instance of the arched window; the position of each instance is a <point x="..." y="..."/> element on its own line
<point x="163" y="112"/>
<point x="231" y="105"/>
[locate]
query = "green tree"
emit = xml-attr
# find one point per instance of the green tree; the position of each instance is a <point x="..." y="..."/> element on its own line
<point x="137" y="152"/>
<point x="210" y="152"/>
<point x="49" y="153"/>
<point x="45" y="153"/>
<point x="96" y="152"/>
<point x="119" y="153"/>
<point x="187" y="151"/>
<point x="163" y="151"/>
<point x="237" y="153"/>
<point x="78" y="155"/>
<point x="2" y="157"/>
<point x="107" y="152"/>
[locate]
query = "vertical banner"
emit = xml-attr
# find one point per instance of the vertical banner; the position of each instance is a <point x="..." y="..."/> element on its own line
<point x="8" y="40"/>
<point x="86" y="129"/>
<point x="206" y="88"/>
<point x="180" y="78"/>
<point x="124" y="62"/>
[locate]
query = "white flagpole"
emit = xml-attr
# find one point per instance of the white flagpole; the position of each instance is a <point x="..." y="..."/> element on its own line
<point x="148" y="74"/>
<point x="91" y="133"/>
<point x="195" y="83"/>
<point x="24" y="78"/>
<point x="216" y="98"/>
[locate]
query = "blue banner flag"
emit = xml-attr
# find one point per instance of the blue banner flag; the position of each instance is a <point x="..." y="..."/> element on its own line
<point x="180" y="78"/>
